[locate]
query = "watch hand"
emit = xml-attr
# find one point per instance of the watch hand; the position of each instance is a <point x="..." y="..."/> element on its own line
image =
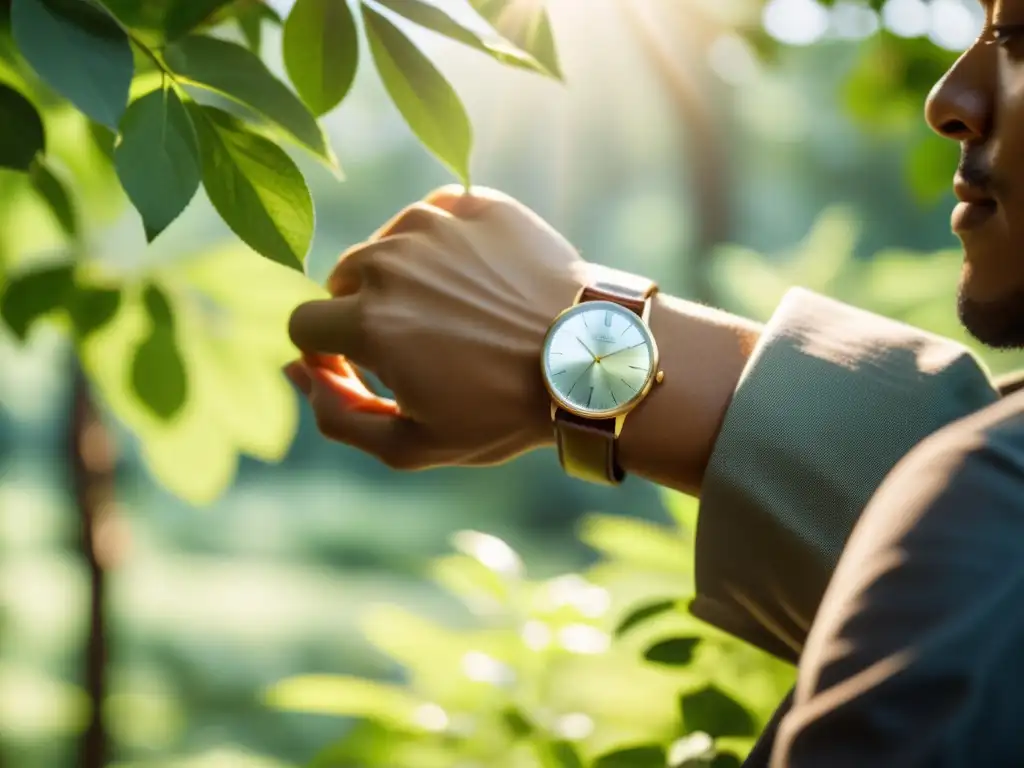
<point x="582" y="374"/>
<point x="624" y="349"/>
<point x="596" y="358"/>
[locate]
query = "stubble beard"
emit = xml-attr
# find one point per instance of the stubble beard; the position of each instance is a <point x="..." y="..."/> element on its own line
<point x="997" y="324"/>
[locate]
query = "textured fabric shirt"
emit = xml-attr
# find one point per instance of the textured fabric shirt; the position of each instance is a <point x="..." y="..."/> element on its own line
<point x="831" y="399"/>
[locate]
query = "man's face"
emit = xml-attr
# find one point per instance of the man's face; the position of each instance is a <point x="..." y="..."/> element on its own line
<point x="980" y="104"/>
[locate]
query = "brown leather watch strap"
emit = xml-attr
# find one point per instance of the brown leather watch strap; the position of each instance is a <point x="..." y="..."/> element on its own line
<point x="587" y="447"/>
<point x="630" y="291"/>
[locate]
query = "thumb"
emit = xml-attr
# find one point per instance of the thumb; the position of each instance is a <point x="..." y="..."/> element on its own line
<point x="382" y="431"/>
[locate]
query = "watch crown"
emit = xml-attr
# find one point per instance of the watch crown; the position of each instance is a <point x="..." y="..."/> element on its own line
<point x="659" y="377"/>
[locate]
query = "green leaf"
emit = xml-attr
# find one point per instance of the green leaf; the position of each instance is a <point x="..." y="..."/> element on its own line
<point x="321" y="51"/>
<point x="517" y="723"/>
<point x="231" y="317"/>
<point x="80" y="51"/>
<point x="525" y="25"/>
<point x="683" y="509"/>
<point x="410" y="639"/>
<point x="21" y="130"/>
<point x="695" y="750"/>
<point x="369" y="744"/>
<point x="819" y="260"/>
<point x="490" y="551"/>
<point x="654" y="547"/>
<point x="255" y="187"/>
<point x="158" y="159"/>
<point x="158" y="374"/>
<point x="436" y="20"/>
<point x="104" y="138"/>
<point x="185" y="15"/>
<point x="238" y="74"/>
<point x="559" y="754"/>
<point x="91" y="308"/>
<point x="250" y="24"/>
<point x="158" y="371"/>
<point x="29" y="297"/>
<point x="675" y="652"/>
<point x="250" y="20"/>
<point x="158" y="307"/>
<point x="469" y="579"/>
<point x="344" y="697"/>
<point x="56" y="196"/>
<point x="714" y="712"/>
<point x="643" y="613"/>
<point x="649" y="756"/>
<point x="750" y="283"/>
<point x="426" y="100"/>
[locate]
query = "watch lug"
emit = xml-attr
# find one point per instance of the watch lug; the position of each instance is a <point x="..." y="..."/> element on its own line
<point x="619" y="421"/>
<point x="554" y="410"/>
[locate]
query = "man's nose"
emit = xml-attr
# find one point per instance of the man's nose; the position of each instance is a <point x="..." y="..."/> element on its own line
<point x="960" y="106"/>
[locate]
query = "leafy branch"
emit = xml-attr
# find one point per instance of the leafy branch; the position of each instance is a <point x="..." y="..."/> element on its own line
<point x="184" y="109"/>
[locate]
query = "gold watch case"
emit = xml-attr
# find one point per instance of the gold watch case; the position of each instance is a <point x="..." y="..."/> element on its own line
<point x="654" y="376"/>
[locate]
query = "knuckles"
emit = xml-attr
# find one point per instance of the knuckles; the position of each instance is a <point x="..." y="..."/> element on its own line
<point x="436" y="218"/>
<point x="419" y="217"/>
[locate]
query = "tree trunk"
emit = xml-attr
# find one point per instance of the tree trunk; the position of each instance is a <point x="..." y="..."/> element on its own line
<point x="92" y="463"/>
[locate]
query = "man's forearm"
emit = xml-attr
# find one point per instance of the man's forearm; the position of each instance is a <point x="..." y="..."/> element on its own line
<point x="669" y="437"/>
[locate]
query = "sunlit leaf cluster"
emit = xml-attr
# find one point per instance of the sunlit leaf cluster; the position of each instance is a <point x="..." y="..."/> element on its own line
<point x="600" y="669"/>
<point x="151" y="74"/>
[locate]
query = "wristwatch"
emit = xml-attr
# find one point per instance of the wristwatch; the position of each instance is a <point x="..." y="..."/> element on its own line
<point x="599" y="361"/>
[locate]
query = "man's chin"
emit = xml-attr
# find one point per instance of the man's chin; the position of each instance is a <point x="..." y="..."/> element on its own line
<point x="996" y="323"/>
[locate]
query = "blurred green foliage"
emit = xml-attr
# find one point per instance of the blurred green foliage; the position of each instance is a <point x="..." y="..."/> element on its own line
<point x="558" y="672"/>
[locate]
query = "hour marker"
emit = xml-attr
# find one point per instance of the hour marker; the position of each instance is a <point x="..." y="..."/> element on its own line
<point x="556" y="353"/>
<point x="638" y="368"/>
<point x="628" y="384"/>
<point x="585" y="316"/>
<point x="607" y="318"/>
<point x="613" y="396"/>
<point x="624" y="330"/>
<point x="556" y="373"/>
<point x="590" y="397"/>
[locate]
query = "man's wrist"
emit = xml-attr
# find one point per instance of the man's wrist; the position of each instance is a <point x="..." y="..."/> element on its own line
<point x="668" y="438"/>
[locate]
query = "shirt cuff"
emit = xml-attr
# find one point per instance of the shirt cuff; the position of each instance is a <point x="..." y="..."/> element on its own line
<point x="831" y="399"/>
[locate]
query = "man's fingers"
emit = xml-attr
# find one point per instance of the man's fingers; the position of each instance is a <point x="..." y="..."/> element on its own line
<point x="383" y="432"/>
<point x="299" y="376"/>
<point x="331" y="327"/>
<point x="341" y="376"/>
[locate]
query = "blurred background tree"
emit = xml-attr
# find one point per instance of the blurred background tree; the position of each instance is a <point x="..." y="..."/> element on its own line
<point x="728" y="149"/>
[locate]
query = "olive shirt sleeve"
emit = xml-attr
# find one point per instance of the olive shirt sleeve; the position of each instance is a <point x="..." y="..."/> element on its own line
<point x="830" y="400"/>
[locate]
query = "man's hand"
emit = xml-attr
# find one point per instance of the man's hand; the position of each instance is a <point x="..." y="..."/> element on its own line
<point x="447" y="305"/>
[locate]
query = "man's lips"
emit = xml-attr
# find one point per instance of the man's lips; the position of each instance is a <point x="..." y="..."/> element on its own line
<point x="967" y="192"/>
<point x="975" y="208"/>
